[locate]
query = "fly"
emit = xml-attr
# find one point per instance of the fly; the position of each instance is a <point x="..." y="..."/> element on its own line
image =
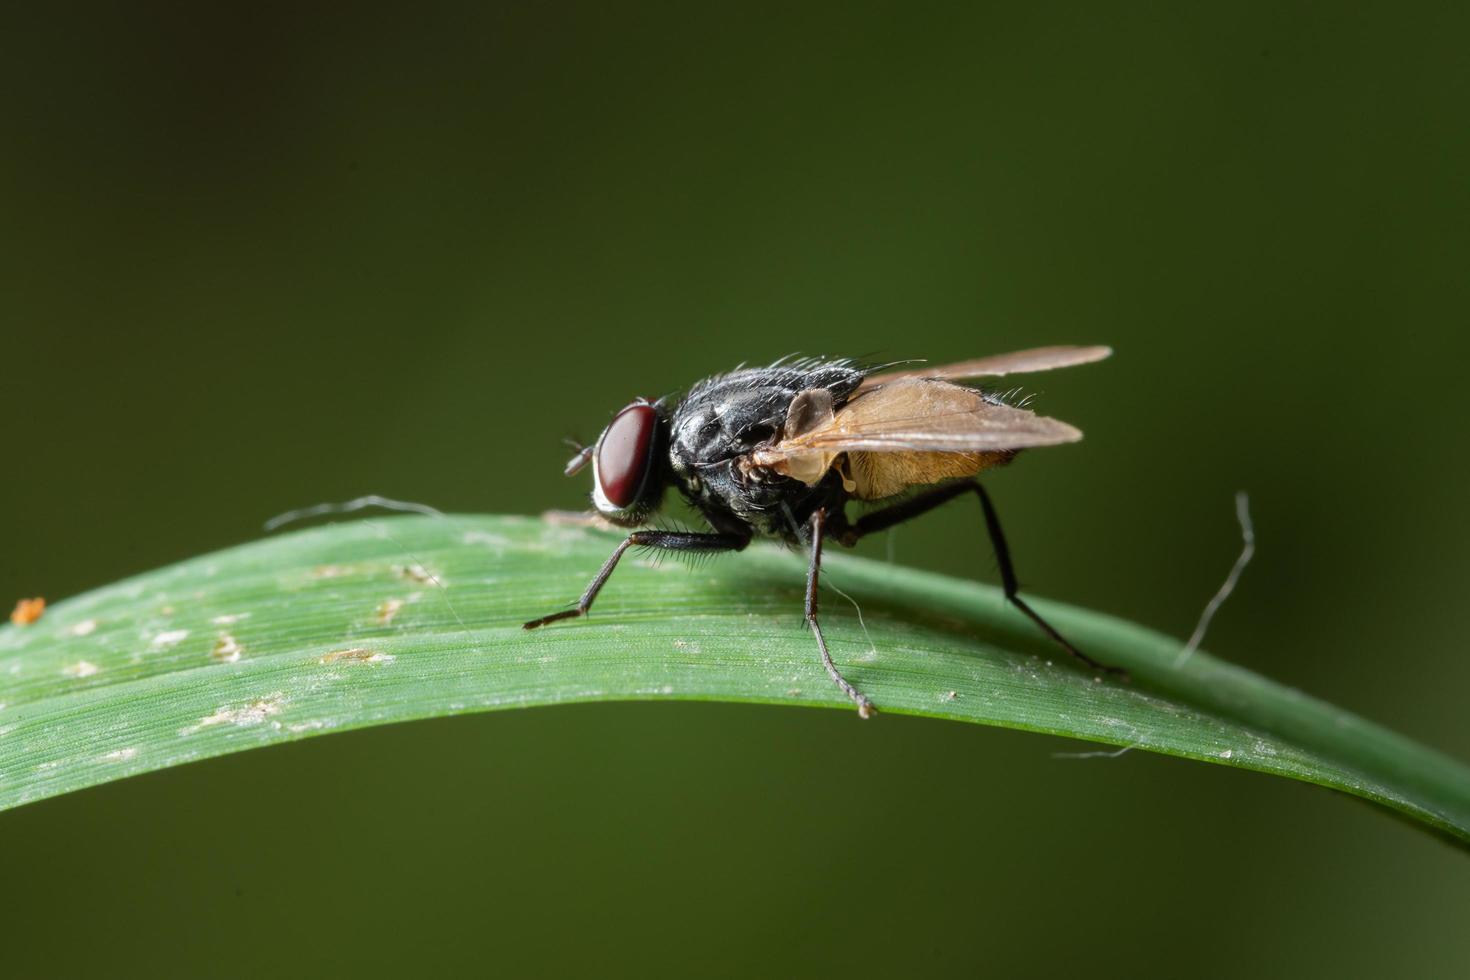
<point x="779" y="451"/>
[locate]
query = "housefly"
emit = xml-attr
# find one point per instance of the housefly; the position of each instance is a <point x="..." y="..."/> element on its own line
<point x="779" y="451"/>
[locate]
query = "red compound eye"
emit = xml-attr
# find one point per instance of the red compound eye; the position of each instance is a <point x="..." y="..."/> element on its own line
<point x="624" y="452"/>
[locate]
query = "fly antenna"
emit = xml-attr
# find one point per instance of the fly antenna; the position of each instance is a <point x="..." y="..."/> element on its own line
<point x="575" y="464"/>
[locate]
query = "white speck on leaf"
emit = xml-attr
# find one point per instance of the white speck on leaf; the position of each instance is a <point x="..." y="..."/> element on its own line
<point x="387" y="609"/>
<point x="357" y="656"/>
<point x="168" y="638"/>
<point x="1227" y="754"/>
<point x="227" y="649"/>
<point x="417" y="573"/>
<point x="242" y="716"/>
<point x="84" y="628"/>
<point x="229" y="618"/>
<point x="120" y="755"/>
<point x="485" y="538"/>
<point x="80" y="669"/>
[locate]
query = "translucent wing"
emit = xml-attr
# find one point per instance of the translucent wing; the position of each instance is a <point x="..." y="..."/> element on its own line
<point x="917" y="413"/>
<point x="907" y="432"/>
<point x="998" y="365"/>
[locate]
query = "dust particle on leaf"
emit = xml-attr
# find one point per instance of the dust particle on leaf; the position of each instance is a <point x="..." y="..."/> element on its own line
<point x="357" y="655"/>
<point x="579" y="519"/>
<point x="227" y="649"/>
<point x="387" y="609"/>
<point x="417" y="573"/>
<point x="168" y="638"/>
<point x="244" y="715"/>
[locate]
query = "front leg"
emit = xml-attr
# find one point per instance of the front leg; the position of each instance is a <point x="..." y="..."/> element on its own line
<point x="664" y="540"/>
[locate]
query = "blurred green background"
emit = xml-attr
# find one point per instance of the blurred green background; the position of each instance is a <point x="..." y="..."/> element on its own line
<point x="260" y="256"/>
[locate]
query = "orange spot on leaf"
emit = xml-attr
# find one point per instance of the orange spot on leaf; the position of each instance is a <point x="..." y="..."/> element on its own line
<point x="27" y="611"/>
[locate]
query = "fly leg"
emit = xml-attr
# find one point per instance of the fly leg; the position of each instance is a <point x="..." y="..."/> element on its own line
<point x="663" y="540"/>
<point x="864" y="706"/>
<point x="925" y="502"/>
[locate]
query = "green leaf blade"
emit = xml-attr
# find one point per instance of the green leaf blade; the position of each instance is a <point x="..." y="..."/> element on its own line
<point x="380" y="621"/>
